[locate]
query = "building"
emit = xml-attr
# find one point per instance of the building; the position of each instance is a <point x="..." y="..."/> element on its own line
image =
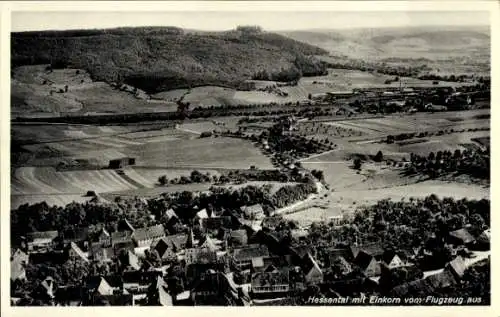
<point x="456" y="267"/>
<point x="121" y="162"/>
<point x="253" y="212"/>
<point x="74" y="252"/>
<point x="145" y="237"/>
<point x="312" y="271"/>
<point x="122" y="240"/>
<point x="100" y="253"/>
<point x="214" y="288"/>
<point x="42" y="239"/>
<point x="238" y="238"/>
<point x="368" y="264"/>
<point x="460" y="237"/>
<point x="243" y="257"/>
<point x="270" y="283"/>
<point x="392" y="260"/>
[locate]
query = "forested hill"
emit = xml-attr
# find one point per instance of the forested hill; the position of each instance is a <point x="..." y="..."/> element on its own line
<point x="162" y="58"/>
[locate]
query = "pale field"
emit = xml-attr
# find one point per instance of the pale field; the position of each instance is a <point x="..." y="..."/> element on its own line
<point x="218" y="152"/>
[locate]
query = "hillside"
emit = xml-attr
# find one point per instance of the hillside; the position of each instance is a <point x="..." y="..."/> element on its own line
<point x="159" y="59"/>
<point x="432" y="43"/>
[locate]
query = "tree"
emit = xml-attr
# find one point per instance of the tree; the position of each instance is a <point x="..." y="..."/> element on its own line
<point x="163" y="180"/>
<point x="357" y="163"/>
<point x="378" y="157"/>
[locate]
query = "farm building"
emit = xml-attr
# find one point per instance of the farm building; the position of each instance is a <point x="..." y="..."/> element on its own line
<point x="121" y="162"/>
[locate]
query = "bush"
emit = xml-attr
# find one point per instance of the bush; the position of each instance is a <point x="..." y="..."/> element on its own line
<point x="357" y="163"/>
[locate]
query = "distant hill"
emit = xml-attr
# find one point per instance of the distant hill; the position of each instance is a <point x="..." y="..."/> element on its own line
<point x="413" y="42"/>
<point x="161" y="58"/>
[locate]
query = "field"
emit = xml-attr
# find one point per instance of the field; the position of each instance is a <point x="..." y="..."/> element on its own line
<point x="35" y="91"/>
<point x="159" y="150"/>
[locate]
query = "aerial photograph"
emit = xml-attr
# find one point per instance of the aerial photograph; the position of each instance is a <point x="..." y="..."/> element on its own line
<point x="240" y="158"/>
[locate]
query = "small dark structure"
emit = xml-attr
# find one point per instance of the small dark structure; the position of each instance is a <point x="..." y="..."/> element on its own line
<point x="121" y="162"/>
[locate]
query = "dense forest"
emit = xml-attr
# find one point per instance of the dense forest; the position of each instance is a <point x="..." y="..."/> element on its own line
<point x="158" y="59"/>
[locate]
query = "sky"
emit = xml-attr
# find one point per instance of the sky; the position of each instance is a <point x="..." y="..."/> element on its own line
<point x="218" y="20"/>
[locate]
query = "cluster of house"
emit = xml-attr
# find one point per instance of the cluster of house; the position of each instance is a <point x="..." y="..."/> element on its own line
<point x="233" y="259"/>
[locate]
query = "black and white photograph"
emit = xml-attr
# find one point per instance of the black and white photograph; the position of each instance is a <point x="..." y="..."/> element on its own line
<point x="249" y="158"/>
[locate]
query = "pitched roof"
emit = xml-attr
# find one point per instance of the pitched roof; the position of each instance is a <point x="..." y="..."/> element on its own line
<point x="79" y="252"/>
<point x="261" y="279"/>
<point x="19" y="255"/>
<point x="208" y="243"/>
<point x="335" y="253"/>
<point x="310" y="264"/>
<point x="388" y="256"/>
<point x="363" y="260"/>
<point x="153" y="232"/>
<point x="484" y="237"/>
<point x="463" y="235"/>
<point x="121" y="236"/>
<point x="441" y="280"/>
<point x="458" y="265"/>
<point x="124" y="225"/>
<point x="170" y="214"/>
<point x="373" y="249"/>
<point x="190" y="239"/>
<point x="250" y="251"/>
<point x="16" y="269"/>
<point x="202" y="214"/>
<point x="39" y="235"/>
<point x="133" y="260"/>
<point x="176" y="241"/>
<point x="239" y="235"/>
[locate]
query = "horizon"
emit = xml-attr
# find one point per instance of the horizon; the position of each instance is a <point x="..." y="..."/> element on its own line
<point x="225" y="21"/>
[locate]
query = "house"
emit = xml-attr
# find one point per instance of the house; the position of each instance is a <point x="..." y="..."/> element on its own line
<point x="122" y="240"/>
<point x="253" y="212"/>
<point x="367" y="263"/>
<point x="19" y="256"/>
<point x="244" y="256"/>
<point x="200" y="256"/>
<point x="171" y="217"/>
<point x="130" y="260"/>
<point x="214" y="288"/>
<point x="341" y="266"/>
<point x="273" y="283"/>
<point x="299" y="234"/>
<point x="207" y="243"/>
<point x="238" y="238"/>
<point x="202" y="214"/>
<point x="158" y="294"/>
<point x="165" y="251"/>
<point x="215" y="223"/>
<point x="312" y="271"/>
<point x="460" y="237"/>
<point x="100" y="253"/>
<point x="332" y="254"/>
<point x="104" y="238"/>
<point x="483" y="240"/>
<point x="144" y="237"/>
<point x="17" y="269"/>
<point x="74" y="252"/>
<point x="456" y="267"/>
<point x="41" y="239"/>
<point x="392" y="260"/>
<point x="69" y="295"/>
<point x="121" y="162"/>
<point x="270" y="223"/>
<point x="18" y="261"/>
<point x="46" y="289"/>
<point x="125" y="226"/>
<point x="372" y="249"/>
<point x="176" y="242"/>
<point x="76" y="235"/>
<point x="441" y="280"/>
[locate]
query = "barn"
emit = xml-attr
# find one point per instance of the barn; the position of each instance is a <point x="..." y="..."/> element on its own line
<point x="121" y="162"/>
